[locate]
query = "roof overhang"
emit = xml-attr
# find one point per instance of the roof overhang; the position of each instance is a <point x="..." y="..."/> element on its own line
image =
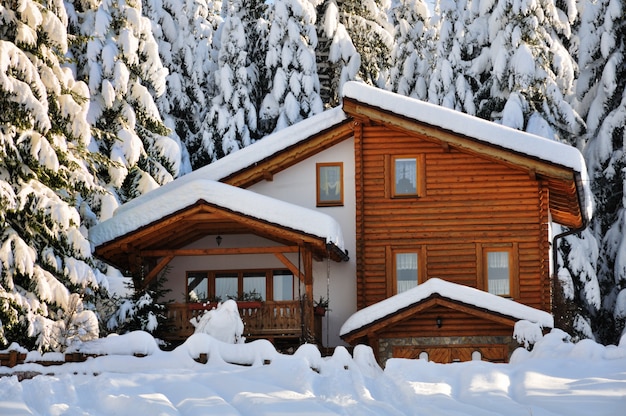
<point x="168" y="221"/>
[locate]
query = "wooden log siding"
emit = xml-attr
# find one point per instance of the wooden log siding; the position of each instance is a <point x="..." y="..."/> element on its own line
<point x="469" y="202"/>
<point x="454" y="324"/>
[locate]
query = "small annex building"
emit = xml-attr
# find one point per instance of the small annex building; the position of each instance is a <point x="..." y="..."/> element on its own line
<point x="394" y="211"/>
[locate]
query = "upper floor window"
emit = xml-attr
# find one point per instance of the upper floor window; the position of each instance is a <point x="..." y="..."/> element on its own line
<point x="206" y="286"/>
<point x="329" y="184"/>
<point x="498" y="272"/>
<point x="406" y="271"/>
<point x="407" y="176"/>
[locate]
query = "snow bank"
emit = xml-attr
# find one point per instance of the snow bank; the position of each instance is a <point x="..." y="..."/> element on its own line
<point x="556" y="378"/>
<point x="465" y="294"/>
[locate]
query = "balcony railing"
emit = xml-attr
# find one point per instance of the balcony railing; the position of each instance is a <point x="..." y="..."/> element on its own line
<point x="268" y="319"/>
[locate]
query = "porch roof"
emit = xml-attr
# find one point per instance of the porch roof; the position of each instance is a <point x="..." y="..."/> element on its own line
<point x="205" y="202"/>
<point x="377" y="314"/>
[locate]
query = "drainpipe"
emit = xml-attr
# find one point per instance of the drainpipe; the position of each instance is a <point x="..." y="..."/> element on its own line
<point x="555" y="262"/>
<point x="581" y="202"/>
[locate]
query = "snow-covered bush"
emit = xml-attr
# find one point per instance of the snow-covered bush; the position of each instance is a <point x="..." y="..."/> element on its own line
<point x="222" y="323"/>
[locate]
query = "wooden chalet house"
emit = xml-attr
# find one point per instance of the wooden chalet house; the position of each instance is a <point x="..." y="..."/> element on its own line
<point x="363" y="205"/>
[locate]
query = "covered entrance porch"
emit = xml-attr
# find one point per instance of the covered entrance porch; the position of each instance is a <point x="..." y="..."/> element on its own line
<point x="216" y="235"/>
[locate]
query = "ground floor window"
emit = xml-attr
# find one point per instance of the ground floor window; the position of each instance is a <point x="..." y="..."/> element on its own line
<point x="406" y="268"/>
<point x="207" y="286"/>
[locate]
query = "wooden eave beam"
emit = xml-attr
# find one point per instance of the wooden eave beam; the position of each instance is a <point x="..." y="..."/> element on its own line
<point x="292" y="267"/>
<point x="438" y="135"/>
<point x="147" y="232"/>
<point x="219" y="251"/>
<point x="156" y="270"/>
<point x="290" y="156"/>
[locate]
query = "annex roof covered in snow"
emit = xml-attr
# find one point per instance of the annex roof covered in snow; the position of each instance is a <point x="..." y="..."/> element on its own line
<point x="384" y="309"/>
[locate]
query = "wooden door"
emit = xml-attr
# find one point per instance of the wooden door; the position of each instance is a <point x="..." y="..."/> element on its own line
<point x="450" y="354"/>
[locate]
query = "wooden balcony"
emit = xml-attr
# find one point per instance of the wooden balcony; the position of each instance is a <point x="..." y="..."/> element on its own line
<point x="273" y="320"/>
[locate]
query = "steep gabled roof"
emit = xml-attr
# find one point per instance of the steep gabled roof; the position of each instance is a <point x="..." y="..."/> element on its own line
<point x="561" y="166"/>
<point x="449" y="294"/>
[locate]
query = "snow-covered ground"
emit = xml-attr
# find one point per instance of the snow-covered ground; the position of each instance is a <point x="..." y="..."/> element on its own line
<point x="556" y="378"/>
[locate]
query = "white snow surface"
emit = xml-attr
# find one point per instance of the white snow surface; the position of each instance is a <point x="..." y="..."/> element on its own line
<point x="156" y="205"/>
<point x="556" y="378"/>
<point x="465" y="294"/>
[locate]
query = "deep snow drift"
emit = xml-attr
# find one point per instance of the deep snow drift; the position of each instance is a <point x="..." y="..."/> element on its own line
<point x="556" y="378"/>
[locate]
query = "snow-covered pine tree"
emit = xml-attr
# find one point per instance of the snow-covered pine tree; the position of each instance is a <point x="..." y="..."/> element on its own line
<point x="450" y="84"/>
<point x="231" y="122"/>
<point x="121" y="65"/>
<point x="46" y="276"/>
<point x="337" y="59"/>
<point x="356" y="41"/>
<point x="601" y="90"/>
<point x="295" y="88"/>
<point x="530" y="74"/>
<point x="412" y="53"/>
<point x="368" y="26"/>
<point x="185" y="31"/>
<point x="527" y="79"/>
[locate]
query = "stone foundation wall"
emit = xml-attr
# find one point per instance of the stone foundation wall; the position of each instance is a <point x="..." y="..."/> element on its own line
<point x="386" y="345"/>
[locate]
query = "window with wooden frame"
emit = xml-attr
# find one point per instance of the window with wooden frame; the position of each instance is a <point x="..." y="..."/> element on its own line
<point x="329" y="184"/>
<point x="407" y="175"/>
<point x="207" y="286"/>
<point x="405" y="269"/>
<point x="499" y="269"/>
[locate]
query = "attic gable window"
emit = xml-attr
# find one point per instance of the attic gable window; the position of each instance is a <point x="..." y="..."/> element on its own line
<point x="329" y="184"/>
<point x="407" y="176"/>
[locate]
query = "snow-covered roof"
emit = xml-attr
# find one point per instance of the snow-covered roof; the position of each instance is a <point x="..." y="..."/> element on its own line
<point x="476" y="128"/>
<point x="156" y="205"/>
<point x="250" y="155"/>
<point x="453" y="291"/>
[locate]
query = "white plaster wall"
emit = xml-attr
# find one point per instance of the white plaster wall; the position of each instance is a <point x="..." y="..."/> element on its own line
<point x="297" y="185"/>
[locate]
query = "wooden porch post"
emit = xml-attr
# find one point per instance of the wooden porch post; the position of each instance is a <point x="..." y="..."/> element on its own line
<point x="307" y="261"/>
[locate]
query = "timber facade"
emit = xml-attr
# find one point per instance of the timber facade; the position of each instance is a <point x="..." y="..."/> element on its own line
<point x="469" y="204"/>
